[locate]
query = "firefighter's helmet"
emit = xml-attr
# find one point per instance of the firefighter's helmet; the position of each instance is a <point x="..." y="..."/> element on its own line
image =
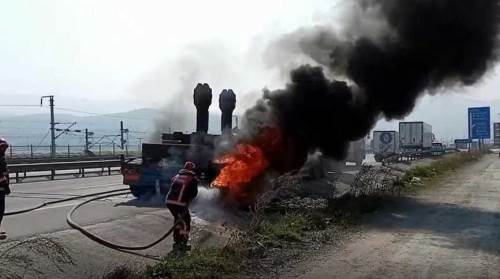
<point x="189" y="166"/>
<point x="4" y="143"/>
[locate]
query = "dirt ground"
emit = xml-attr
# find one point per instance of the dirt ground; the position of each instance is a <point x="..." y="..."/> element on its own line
<point x="449" y="230"/>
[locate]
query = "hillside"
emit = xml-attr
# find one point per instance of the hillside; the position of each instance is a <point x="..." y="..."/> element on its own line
<point x="142" y="123"/>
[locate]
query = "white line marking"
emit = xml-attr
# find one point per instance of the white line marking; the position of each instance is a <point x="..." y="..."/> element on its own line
<point x="107" y="200"/>
<point x="95" y="186"/>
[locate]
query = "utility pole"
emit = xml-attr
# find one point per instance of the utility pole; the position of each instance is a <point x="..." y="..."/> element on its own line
<point x="52" y="125"/>
<point x="87" y="142"/>
<point x="122" y="132"/>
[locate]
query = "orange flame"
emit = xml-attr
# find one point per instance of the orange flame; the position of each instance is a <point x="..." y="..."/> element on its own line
<point x="247" y="161"/>
<point x="240" y="167"/>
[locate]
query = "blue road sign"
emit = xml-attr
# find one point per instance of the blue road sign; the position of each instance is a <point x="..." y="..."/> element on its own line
<point x="462" y="141"/>
<point x="479" y="123"/>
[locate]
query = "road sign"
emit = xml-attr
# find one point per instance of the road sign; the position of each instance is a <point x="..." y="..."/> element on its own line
<point x="462" y="141"/>
<point x="479" y="123"/>
<point x="496" y="133"/>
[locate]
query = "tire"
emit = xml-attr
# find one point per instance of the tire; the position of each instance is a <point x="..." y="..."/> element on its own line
<point x="140" y="191"/>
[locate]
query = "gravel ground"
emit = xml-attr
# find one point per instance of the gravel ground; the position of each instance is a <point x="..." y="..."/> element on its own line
<point x="450" y="231"/>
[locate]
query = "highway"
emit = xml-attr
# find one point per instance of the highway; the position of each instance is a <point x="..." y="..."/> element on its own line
<point x="124" y="220"/>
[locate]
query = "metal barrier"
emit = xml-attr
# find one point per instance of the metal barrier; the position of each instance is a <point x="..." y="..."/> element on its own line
<point x="12" y="161"/>
<point x="68" y="151"/>
<point x="81" y="166"/>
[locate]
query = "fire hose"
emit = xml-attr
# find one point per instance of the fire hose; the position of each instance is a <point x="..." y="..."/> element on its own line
<point x="44" y="204"/>
<point x="91" y="236"/>
<point x="104" y="242"/>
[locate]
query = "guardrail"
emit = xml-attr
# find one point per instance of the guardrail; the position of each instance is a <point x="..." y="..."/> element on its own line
<point x="21" y="170"/>
<point x="12" y="161"/>
<point x="67" y="151"/>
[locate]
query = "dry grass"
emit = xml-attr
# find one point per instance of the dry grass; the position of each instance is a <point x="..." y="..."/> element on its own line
<point x="419" y="176"/>
<point x="19" y="259"/>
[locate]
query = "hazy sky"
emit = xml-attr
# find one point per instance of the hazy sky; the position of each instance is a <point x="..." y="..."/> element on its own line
<point x="116" y="55"/>
<point x="96" y="53"/>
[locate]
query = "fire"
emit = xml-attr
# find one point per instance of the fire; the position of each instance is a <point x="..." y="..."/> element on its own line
<point x="247" y="161"/>
<point x="240" y="167"/>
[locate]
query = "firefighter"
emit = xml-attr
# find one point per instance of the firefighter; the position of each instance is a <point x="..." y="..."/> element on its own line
<point x="4" y="183"/>
<point x="183" y="190"/>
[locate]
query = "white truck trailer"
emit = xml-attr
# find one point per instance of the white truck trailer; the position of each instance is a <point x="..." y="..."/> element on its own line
<point x="357" y="152"/>
<point x="385" y="144"/>
<point x="415" y="136"/>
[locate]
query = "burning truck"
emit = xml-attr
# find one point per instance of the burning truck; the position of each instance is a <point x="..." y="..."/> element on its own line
<point x="152" y="172"/>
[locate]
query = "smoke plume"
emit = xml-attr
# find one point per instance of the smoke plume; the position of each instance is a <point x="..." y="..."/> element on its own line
<point x="386" y="56"/>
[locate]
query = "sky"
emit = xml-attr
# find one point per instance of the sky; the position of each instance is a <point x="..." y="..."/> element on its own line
<point x="106" y="56"/>
<point x="114" y="55"/>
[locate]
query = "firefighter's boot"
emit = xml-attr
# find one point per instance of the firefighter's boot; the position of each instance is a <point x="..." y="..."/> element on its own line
<point x="186" y="246"/>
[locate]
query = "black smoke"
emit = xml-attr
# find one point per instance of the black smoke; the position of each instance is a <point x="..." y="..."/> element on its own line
<point x="418" y="46"/>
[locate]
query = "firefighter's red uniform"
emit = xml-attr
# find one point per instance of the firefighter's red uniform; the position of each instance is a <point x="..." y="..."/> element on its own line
<point x="4" y="182"/>
<point x="183" y="190"/>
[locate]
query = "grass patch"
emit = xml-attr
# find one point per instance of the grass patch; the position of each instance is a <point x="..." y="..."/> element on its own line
<point x="200" y="263"/>
<point x="420" y="174"/>
<point x="288" y="227"/>
<point x="123" y="272"/>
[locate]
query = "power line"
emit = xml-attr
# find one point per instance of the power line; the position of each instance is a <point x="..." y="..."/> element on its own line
<point x="20" y="106"/>
<point x="23" y="121"/>
<point x="102" y="115"/>
<point x="44" y="137"/>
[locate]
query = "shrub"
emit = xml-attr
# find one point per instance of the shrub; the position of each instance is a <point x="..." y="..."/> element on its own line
<point x="201" y="263"/>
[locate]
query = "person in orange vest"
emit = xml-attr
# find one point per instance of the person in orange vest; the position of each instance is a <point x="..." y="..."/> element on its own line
<point x="183" y="190"/>
<point x="4" y="183"/>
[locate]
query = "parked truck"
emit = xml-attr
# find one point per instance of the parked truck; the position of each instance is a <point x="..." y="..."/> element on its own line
<point x="385" y="144"/>
<point x="357" y="152"/>
<point x="415" y="136"/>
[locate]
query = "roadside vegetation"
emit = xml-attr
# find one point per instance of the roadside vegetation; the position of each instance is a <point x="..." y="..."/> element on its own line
<point x="274" y="238"/>
<point x="420" y="176"/>
<point x="278" y="236"/>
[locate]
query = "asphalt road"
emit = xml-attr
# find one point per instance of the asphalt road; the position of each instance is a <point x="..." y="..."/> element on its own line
<point x="53" y="218"/>
<point x="451" y="230"/>
<point x="123" y="220"/>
